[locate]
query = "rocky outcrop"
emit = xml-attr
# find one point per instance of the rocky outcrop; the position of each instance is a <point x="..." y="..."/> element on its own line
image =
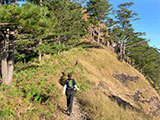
<point x="123" y="78"/>
<point x="137" y="100"/>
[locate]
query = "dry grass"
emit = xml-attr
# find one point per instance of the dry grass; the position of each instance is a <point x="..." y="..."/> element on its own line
<point x="98" y="65"/>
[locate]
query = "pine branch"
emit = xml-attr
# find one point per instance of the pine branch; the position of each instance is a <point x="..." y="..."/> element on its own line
<point x="138" y="43"/>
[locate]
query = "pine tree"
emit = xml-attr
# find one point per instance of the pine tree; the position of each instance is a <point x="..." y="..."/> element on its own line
<point x="8" y="22"/>
<point x="36" y="28"/>
<point x="71" y="25"/>
<point x="99" y="11"/>
<point x="124" y="28"/>
<point x="147" y="60"/>
<point x="29" y="21"/>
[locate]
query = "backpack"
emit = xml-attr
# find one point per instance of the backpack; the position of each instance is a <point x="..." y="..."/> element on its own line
<point x="70" y="83"/>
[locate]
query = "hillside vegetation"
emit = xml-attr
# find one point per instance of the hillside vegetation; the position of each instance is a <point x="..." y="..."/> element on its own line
<point x="37" y="28"/>
<point x="42" y="41"/>
<point x="37" y="88"/>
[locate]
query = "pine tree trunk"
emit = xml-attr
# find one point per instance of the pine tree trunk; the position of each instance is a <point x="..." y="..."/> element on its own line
<point x="108" y="43"/>
<point x="132" y="62"/>
<point x="41" y="3"/>
<point x="92" y="34"/>
<point x="121" y="53"/>
<point x="40" y="42"/>
<point x="7" y="64"/>
<point x="10" y="60"/>
<point x="99" y="32"/>
<point x="40" y="55"/>
<point x="4" y="68"/>
<point x="122" y="46"/>
<point x="124" y="50"/>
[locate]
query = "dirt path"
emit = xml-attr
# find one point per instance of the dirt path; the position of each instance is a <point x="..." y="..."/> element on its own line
<point x="78" y="114"/>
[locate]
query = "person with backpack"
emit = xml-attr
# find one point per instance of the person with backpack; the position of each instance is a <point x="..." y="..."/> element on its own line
<point x="69" y="89"/>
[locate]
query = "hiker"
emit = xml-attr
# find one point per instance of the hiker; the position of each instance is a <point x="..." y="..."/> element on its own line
<point x="69" y="89"/>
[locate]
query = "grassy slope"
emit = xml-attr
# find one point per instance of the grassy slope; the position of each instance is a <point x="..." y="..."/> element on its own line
<point x="36" y="87"/>
<point x="98" y="65"/>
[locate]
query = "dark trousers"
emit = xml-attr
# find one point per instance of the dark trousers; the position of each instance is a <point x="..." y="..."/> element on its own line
<point x="70" y="96"/>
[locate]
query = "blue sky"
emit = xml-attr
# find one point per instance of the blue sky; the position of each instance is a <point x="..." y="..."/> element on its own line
<point x="149" y="14"/>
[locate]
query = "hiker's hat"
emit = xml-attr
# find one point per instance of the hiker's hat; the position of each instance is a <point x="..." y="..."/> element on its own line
<point x="70" y="75"/>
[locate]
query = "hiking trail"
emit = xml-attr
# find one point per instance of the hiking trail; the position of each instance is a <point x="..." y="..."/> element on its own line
<point x="78" y="113"/>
